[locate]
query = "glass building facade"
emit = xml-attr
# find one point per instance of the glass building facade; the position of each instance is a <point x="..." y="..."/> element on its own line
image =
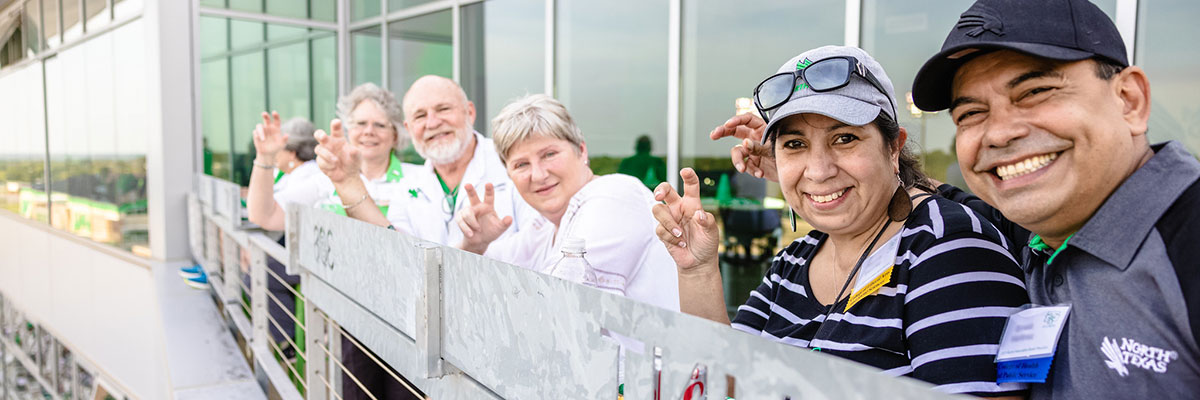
<point x="645" y="80"/>
<point x="74" y="142"/>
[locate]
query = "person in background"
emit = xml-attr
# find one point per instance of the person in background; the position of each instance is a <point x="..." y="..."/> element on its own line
<point x="884" y="279"/>
<point x="546" y="157"/>
<point x="439" y="117"/>
<point x="1052" y="128"/>
<point x="642" y="165"/>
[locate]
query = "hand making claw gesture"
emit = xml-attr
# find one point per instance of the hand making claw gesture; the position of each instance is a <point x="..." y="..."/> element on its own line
<point x="751" y="156"/>
<point x="268" y="140"/>
<point x="689" y="232"/>
<point x="479" y="223"/>
<point x="337" y="159"/>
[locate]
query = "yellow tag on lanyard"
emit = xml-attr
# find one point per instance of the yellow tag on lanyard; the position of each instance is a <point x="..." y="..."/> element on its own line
<point x="871" y="287"/>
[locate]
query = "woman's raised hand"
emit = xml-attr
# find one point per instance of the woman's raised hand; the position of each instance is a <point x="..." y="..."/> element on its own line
<point x="689" y="232"/>
<point x="479" y="223"/>
<point x="336" y="158"/>
<point x="750" y="156"/>
<point x="268" y="140"/>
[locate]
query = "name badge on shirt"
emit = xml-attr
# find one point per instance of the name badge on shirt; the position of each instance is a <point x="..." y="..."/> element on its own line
<point x="1029" y="342"/>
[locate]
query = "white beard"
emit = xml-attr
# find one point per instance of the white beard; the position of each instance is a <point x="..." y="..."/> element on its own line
<point x="444" y="153"/>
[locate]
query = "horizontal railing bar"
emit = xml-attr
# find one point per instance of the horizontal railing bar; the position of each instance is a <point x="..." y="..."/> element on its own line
<point x="285" y="310"/>
<point x="285" y="337"/>
<point x="276" y="374"/>
<point x="273" y="249"/>
<point x="279" y="351"/>
<point x="285" y="284"/>
<point x="346" y="371"/>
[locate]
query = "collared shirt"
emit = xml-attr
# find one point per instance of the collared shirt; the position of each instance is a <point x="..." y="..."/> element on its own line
<point x="384" y="190"/>
<point x="305" y="185"/>
<point x="1131" y="275"/>
<point x="426" y="213"/>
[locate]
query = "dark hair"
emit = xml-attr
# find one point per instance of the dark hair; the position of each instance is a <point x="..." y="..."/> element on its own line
<point x="1106" y="69"/>
<point x="910" y="166"/>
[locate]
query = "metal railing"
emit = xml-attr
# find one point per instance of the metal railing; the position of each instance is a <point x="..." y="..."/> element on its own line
<point x="451" y="324"/>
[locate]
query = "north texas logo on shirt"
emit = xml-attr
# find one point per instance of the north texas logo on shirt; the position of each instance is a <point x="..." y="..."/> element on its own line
<point x="1120" y="355"/>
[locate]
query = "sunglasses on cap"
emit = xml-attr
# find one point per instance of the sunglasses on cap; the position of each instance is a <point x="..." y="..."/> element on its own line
<point x="822" y="76"/>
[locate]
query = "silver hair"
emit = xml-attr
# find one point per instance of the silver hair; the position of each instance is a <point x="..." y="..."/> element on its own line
<point x="382" y="98"/>
<point x="533" y="115"/>
<point x="300" y="138"/>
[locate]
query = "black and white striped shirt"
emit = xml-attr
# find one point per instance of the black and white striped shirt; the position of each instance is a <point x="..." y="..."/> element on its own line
<point x="938" y="319"/>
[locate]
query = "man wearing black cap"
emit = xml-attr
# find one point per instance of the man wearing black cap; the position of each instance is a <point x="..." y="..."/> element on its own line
<point x="1052" y="125"/>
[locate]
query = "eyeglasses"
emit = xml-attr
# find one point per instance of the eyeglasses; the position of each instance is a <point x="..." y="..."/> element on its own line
<point x="822" y="76"/>
<point x="362" y="125"/>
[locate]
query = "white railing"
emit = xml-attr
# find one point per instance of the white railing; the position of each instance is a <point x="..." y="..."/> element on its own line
<point x="457" y="325"/>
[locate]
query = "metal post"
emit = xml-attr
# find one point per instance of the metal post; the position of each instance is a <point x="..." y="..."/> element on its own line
<point x="230" y="273"/>
<point x="316" y="365"/>
<point x="343" y="46"/>
<point x="548" y="84"/>
<point x="674" y="43"/>
<point x="211" y="247"/>
<point x="258" y="297"/>
<point x="429" y="314"/>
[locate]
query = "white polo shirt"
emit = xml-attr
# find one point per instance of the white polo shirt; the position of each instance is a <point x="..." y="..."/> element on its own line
<point x="386" y="190"/>
<point x="426" y="213"/>
<point x="612" y="215"/>
<point x="305" y="185"/>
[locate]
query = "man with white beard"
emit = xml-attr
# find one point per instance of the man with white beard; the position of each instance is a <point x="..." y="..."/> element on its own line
<point x="439" y="118"/>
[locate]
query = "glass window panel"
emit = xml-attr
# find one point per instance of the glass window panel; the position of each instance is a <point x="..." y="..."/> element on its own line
<point x="22" y="186"/>
<point x="97" y="13"/>
<point x="249" y="101"/>
<point x="323" y="10"/>
<point x="69" y="143"/>
<point x="213" y="3"/>
<point x="503" y="53"/>
<point x="215" y="118"/>
<point x="246" y="5"/>
<point x="324" y="79"/>
<point x="288" y="82"/>
<point x="394" y="5"/>
<point x="31" y="22"/>
<point x="214" y="36"/>
<point x="277" y="33"/>
<point x="611" y="75"/>
<point x="417" y="47"/>
<point x="1165" y="49"/>
<point x="245" y="34"/>
<point x="50" y="20"/>
<point x="288" y="8"/>
<point x="363" y="9"/>
<point x="368" y="56"/>
<point x="712" y="84"/>
<point x="70" y="17"/>
<point x="129" y="150"/>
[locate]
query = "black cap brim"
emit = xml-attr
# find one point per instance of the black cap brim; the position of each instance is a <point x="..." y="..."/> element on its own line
<point x="931" y="87"/>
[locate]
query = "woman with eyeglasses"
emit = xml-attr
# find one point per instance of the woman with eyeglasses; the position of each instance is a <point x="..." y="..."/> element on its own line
<point x="892" y="276"/>
<point x="371" y="115"/>
<point x="546" y="157"/>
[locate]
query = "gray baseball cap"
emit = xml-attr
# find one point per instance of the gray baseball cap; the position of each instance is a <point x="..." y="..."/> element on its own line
<point x="858" y="103"/>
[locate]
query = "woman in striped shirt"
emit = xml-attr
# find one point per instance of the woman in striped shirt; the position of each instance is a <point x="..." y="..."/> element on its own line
<point x="893" y="277"/>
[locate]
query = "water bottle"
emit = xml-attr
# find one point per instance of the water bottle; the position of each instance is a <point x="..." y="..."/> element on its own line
<point x="573" y="266"/>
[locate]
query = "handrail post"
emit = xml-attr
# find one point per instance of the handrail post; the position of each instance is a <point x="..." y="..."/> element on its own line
<point x="429" y="313"/>
<point x="258" y="296"/>
<point x="212" y="246"/>
<point x="231" y="272"/>
<point x="317" y="364"/>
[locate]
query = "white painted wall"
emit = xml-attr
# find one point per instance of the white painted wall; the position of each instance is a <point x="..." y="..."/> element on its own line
<point x="102" y="306"/>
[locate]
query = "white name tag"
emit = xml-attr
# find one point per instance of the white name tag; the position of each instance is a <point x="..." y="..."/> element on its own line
<point x="1032" y="332"/>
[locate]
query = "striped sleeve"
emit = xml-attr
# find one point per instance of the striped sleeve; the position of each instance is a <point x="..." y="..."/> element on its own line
<point x="962" y="288"/>
<point x="752" y="317"/>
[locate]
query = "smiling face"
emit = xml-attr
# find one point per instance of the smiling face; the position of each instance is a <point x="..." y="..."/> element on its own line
<point x="439" y="119"/>
<point x="371" y="132"/>
<point x="838" y="177"/>
<point x="547" y="172"/>
<point x="1044" y="142"/>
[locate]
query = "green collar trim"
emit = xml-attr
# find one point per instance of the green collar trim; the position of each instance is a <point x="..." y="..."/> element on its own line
<point x="1038" y="244"/>
<point x="278" y="175"/>
<point x="395" y="171"/>
<point x="451" y="194"/>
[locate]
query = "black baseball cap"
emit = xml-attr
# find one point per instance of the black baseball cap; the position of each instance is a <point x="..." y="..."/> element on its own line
<point x="1064" y="30"/>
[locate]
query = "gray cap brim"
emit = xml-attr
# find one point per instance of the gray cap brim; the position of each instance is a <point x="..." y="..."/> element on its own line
<point x="844" y="109"/>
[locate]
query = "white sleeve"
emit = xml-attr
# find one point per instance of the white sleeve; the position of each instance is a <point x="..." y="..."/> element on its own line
<point x="308" y="191"/>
